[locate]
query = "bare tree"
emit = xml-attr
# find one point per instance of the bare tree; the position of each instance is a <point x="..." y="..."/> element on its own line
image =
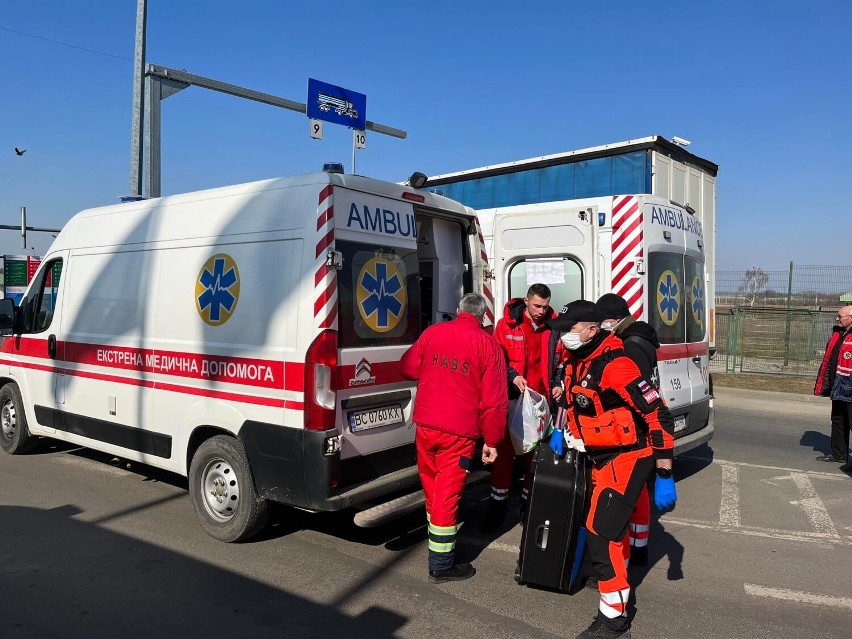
<point x="754" y="281"/>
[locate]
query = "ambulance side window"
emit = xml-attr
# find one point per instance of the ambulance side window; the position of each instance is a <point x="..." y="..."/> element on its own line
<point x="666" y="297"/>
<point x="40" y="302"/>
<point x="563" y="277"/>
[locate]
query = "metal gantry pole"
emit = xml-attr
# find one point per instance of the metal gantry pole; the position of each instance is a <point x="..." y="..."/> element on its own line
<point x="138" y="78"/>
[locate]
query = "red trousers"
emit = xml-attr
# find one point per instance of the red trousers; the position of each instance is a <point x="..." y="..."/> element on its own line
<point x="501" y="470"/>
<point x="617" y="486"/>
<point x="443" y="461"/>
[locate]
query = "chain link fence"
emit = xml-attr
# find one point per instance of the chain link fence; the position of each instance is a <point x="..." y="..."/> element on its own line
<point x="777" y="322"/>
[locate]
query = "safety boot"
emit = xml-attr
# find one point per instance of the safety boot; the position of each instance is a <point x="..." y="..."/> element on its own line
<point x="605" y="628"/>
<point x="459" y="572"/>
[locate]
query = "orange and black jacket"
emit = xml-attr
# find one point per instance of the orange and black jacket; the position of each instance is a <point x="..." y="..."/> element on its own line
<point x="606" y="395"/>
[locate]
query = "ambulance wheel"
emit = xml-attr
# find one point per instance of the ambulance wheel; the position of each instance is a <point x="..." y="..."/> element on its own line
<point x="15" y="437"/>
<point x="223" y="493"/>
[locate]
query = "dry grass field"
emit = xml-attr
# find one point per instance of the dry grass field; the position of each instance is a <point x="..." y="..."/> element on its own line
<point x="777" y="383"/>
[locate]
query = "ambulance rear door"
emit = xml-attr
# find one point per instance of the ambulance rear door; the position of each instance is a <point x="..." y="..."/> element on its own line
<point x="551" y="243"/>
<point x="404" y="266"/>
<point x="665" y="243"/>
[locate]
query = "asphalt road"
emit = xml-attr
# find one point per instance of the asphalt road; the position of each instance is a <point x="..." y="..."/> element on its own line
<point x="760" y="545"/>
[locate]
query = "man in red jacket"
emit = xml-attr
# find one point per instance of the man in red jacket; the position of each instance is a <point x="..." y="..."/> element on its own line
<point x="524" y="338"/>
<point x="461" y="396"/>
<point x="834" y="380"/>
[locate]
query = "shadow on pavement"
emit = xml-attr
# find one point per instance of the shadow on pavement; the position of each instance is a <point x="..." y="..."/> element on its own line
<point x="692" y="462"/>
<point x="63" y="577"/>
<point x="662" y="546"/>
<point x="818" y="442"/>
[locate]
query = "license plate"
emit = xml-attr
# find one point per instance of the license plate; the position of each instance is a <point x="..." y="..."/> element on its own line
<point x="680" y="423"/>
<point x="375" y="417"/>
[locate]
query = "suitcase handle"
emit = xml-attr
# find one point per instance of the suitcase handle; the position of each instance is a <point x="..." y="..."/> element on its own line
<point x="541" y="534"/>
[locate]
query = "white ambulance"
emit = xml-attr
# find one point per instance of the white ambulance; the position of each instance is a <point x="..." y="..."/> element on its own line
<point x="645" y="248"/>
<point x="246" y="337"/>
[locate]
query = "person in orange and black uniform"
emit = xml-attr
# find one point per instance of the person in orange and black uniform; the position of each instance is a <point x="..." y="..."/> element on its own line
<point x="606" y="395"/>
<point x="461" y="396"/>
<point x="834" y="380"/>
<point x="640" y="344"/>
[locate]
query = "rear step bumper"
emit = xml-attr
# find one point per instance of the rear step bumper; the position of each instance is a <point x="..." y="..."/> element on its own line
<point x="400" y="506"/>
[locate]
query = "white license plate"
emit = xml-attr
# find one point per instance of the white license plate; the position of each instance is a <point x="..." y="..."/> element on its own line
<point x="680" y="423"/>
<point x="375" y="417"/>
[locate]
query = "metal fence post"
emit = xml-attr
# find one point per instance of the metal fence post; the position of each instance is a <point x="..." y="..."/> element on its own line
<point x="787" y="330"/>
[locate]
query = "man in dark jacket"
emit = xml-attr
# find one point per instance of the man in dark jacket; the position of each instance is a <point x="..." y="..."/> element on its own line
<point x="834" y="380"/>
<point x="461" y="396"/>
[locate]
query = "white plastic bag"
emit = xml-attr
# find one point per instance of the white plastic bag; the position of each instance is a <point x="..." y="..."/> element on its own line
<point x="528" y="420"/>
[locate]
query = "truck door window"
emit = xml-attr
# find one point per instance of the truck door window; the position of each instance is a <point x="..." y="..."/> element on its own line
<point x="562" y="275"/>
<point x="40" y="301"/>
<point x="666" y="297"/>
<point x="696" y="324"/>
<point x="378" y="295"/>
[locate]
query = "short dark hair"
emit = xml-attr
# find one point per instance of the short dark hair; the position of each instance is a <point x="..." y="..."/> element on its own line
<point x="540" y="290"/>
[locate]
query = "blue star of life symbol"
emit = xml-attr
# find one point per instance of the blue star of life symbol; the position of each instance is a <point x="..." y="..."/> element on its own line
<point x="382" y="298"/>
<point x="697" y="300"/>
<point x="669" y="291"/>
<point x="216" y="295"/>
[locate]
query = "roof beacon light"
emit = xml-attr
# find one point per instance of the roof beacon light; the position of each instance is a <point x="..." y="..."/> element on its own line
<point x="333" y="167"/>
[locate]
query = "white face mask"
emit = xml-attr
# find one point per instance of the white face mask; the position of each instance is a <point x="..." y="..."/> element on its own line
<point x="572" y="341"/>
<point x="609" y="326"/>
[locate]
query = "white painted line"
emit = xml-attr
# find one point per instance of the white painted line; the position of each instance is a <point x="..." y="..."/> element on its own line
<point x="754" y="531"/>
<point x="813" y="506"/>
<point x="799" y="597"/>
<point x="838" y="476"/>
<point x="729" y="511"/>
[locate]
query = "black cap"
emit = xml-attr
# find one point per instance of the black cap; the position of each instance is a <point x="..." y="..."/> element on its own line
<point x="579" y="311"/>
<point x="613" y="306"/>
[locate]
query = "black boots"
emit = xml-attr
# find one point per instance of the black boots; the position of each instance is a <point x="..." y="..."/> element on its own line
<point x="604" y="628"/>
<point x="459" y="572"/>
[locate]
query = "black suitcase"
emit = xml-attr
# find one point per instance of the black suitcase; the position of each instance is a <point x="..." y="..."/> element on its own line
<point x="553" y="541"/>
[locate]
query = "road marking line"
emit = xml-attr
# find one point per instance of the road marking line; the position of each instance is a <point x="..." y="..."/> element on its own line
<point x="729" y="511"/>
<point x="814" y="473"/>
<point x="813" y="506"/>
<point x="755" y="531"/>
<point x="799" y="597"/>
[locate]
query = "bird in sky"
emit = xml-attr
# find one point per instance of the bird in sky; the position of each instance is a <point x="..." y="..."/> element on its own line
<point x="20" y="151"/>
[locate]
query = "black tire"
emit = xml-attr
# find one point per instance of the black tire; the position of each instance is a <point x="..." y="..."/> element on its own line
<point x="15" y="436"/>
<point x="222" y="491"/>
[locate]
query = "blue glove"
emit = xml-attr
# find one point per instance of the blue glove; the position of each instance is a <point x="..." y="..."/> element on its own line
<point x="557" y="442"/>
<point x="665" y="494"/>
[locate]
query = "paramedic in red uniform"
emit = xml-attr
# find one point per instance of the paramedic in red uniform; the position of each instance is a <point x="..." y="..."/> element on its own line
<point x="523" y="336"/>
<point x="461" y="396"/>
<point x="604" y="391"/>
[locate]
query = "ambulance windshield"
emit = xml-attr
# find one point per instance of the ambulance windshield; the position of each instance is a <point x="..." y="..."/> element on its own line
<point x="378" y="295"/>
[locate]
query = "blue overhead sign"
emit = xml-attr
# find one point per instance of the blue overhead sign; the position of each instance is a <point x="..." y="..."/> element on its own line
<point x="336" y="105"/>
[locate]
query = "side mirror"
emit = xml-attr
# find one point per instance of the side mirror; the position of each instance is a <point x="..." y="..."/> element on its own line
<point x="7" y="317"/>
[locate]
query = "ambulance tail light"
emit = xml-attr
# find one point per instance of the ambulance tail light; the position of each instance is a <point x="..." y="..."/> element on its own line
<point x="320" y="392"/>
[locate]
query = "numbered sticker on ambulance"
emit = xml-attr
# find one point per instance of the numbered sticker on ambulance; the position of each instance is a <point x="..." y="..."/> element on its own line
<point x="375" y="417"/>
<point x="680" y="423"/>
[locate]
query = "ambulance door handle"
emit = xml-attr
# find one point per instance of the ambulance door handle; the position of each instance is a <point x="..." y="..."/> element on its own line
<point x="51" y="346"/>
<point x="696" y="359"/>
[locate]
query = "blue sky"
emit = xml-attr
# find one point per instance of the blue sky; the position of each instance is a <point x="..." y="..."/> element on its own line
<point x="760" y="88"/>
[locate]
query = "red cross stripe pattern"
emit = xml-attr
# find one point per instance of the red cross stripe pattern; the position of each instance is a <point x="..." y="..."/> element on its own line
<point x="626" y="249"/>
<point x="325" y="279"/>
